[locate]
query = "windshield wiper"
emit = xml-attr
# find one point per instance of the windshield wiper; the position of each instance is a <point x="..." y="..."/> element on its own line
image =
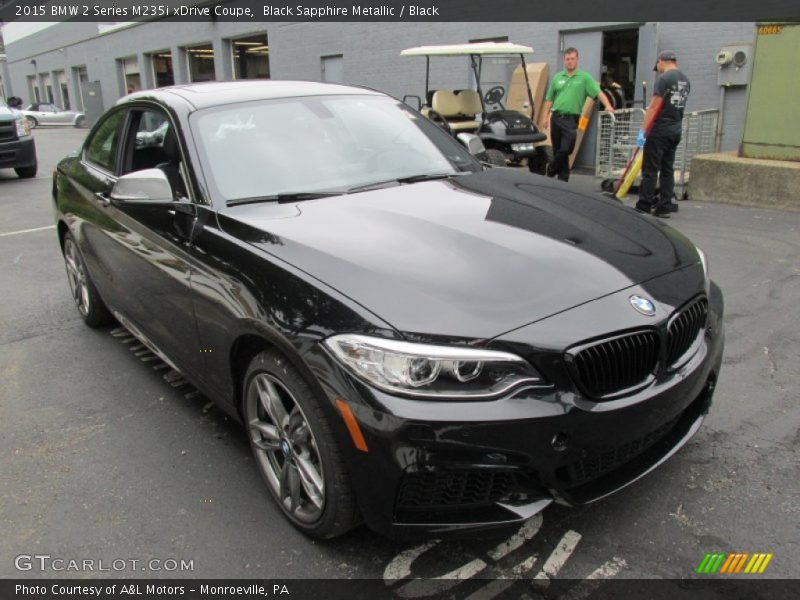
<point x="286" y="197"/>
<point x="401" y="180"/>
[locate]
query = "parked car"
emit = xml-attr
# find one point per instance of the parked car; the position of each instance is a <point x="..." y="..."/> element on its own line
<point x="17" y="148"/>
<point x="45" y="113"/>
<point x="409" y="337"/>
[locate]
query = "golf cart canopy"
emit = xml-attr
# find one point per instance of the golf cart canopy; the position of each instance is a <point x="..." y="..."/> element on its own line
<point x="481" y="49"/>
<point x="476" y="53"/>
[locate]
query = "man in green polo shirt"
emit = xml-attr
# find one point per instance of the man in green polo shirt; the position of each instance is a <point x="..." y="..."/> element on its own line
<point x="566" y="95"/>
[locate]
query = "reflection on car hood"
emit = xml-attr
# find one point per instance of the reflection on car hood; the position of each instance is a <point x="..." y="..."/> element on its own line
<point x="474" y="256"/>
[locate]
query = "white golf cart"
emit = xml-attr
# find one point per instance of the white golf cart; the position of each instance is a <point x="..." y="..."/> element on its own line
<point x="508" y="135"/>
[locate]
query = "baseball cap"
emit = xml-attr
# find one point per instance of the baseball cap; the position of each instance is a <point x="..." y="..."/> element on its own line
<point x="665" y="55"/>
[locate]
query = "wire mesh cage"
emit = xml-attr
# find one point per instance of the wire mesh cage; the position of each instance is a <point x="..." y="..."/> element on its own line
<point x="616" y="143"/>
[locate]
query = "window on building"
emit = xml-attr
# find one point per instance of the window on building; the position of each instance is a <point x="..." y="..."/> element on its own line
<point x="163" y="74"/>
<point x="131" y="76"/>
<point x="61" y="89"/>
<point x="201" y="63"/>
<point x="65" y="97"/>
<point x="33" y="89"/>
<point x="250" y="57"/>
<point x="81" y="76"/>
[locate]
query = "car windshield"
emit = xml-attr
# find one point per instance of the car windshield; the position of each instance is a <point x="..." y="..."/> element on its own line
<point x="320" y="144"/>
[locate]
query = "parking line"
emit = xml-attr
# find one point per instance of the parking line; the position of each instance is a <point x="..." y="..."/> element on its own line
<point x="21" y="231"/>
<point x="588" y="586"/>
<point x="421" y="588"/>
<point x="564" y="549"/>
<point x="500" y="585"/>
<point x="400" y="566"/>
<point x="525" y="533"/>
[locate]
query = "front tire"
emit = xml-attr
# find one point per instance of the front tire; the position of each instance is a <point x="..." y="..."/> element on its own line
<point x="295" y="450"/>
<point x="32" y="122"/>
<point x="494" y="157"/>
<point x="79" y="122"/>
<point x="87" y="299"/>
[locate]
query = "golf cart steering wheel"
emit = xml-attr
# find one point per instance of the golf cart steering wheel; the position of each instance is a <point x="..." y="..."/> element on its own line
<point x="440" y="121"/>
<point x="495" y="95"/>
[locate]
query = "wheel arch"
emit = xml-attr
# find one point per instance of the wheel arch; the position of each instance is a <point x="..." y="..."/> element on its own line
<point x="251" y="342"/>
<point x="62" y="230"/>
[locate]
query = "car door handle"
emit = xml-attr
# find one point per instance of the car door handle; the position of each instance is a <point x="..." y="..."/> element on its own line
<point x="103" y="197"/>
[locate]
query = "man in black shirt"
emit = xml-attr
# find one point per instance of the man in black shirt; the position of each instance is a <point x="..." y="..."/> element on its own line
<point x="660" y="135"/>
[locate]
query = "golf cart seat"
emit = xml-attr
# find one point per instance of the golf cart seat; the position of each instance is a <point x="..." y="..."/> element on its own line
<point x="470" y="102"/>
<point x="455" y="110"/>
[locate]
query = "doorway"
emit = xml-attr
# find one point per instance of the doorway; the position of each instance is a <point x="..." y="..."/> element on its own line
<point x="618" y="77"/>
<point x="622" y="59"/>
<point x="333" y="68"/>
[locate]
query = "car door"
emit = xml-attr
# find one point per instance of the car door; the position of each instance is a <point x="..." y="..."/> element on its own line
<point x="82" y="195"/>
<point x="136" y="253"/>
<point x="60" y="116"/>
<point x="47" y="115"/>
<point x="152" y="246"/>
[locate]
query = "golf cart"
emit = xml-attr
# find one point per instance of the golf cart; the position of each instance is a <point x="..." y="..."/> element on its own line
<point x="508" y="135"/>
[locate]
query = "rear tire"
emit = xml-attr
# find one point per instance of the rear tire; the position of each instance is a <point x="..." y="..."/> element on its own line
<point x="90" y="306"/>
<point x="294" y="448"/>
<point x="79" y="122"/>
<point x="494" y="157"/>
<point x="26" y="172"/>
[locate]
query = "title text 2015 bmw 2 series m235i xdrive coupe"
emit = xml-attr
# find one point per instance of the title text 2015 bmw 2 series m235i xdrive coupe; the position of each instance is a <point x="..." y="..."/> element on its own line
<point x="409" y="338"/>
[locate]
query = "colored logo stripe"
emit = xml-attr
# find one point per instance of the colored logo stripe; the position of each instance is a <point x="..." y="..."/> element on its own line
<point x="758" y="563"/>
<point x="711" y="562"/>
<point x="734" y="563"/>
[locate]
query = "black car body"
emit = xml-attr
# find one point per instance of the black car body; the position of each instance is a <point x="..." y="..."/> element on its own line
<point x="574" y="344"/>
<point x="17" y="148"/>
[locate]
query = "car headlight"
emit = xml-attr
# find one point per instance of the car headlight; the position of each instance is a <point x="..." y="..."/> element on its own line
<point x="703" y="261"/>
<point x="425" y="370"/>
<point x="23" y="127"/>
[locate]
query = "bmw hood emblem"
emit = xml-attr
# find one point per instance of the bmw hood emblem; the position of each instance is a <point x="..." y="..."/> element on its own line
<point x="643" y="305"/>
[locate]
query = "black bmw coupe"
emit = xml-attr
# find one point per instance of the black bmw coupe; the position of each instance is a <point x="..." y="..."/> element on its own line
<point x="409" y="338"/>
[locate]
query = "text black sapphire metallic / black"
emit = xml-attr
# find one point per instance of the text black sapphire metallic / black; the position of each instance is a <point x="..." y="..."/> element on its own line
<point x="409" y="337"/>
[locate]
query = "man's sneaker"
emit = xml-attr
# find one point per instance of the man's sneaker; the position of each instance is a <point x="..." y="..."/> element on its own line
<point x="673" y="207"/>
<point x="662" y="213"/>
<point x="642" y="208"/>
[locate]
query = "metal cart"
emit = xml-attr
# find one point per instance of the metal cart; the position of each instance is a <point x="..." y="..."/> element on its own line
<point x="616" y="143"/>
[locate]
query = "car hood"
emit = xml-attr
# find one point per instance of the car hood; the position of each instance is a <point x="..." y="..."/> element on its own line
<point x="474" y="256"/>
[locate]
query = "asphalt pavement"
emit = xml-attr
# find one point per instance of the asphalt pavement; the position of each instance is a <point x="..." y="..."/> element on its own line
<point x="108" y="456"/>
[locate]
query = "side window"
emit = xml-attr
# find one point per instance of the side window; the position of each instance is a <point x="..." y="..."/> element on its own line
<point x="153" y="144"/>
<point x="102" y="148"/>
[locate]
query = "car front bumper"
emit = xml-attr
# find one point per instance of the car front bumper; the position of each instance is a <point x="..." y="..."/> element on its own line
<point x="447" y="467"/>
<point x="19" y="153"/>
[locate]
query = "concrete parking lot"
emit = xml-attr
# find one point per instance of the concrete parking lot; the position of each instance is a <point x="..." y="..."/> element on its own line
<point x="102" y="458"/>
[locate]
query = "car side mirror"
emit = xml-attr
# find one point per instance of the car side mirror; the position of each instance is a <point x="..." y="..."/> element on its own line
<point x="472" y="142"/>
<point x="148" y="186"/>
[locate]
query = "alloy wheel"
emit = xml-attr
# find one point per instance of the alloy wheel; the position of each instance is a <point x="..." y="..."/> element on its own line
<point x="285" y="448"/>
<point x="76" y="275"/>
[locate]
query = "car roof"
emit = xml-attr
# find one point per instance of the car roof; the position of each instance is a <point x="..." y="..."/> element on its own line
<point x="479" y="48"/>
<point x="204" y="95"/>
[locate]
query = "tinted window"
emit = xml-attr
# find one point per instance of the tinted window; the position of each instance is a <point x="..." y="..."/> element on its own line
<point x="317" y="143"/>
<point x="102" y="148"/>
<point x="153" y="144"/>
